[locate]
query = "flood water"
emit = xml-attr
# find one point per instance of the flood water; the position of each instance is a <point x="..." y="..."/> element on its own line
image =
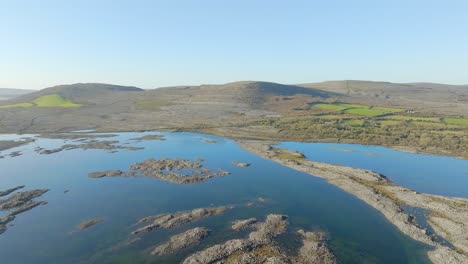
<point x="47" y="234"/>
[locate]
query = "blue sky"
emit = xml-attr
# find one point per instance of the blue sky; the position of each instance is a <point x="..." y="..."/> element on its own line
<point x="163" y="43"/>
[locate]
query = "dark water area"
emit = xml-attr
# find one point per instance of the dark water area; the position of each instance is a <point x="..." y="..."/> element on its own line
<point x="48" y="234"/>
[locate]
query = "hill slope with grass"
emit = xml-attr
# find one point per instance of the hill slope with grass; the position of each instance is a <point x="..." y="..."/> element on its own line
<point x="399" y="115"/>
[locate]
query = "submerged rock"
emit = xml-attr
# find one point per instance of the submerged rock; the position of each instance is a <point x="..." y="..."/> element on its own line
<point x="89" y="223"/>
<point x="241" y="164"/>
<point x="179" y="171"/>
<point x="180" y="241"/>
<point x="180" y="218"/>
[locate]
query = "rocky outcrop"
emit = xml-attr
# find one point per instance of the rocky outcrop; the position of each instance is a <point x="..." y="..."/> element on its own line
<point x="21" y="198"/>
<point x="314" y="249"/>
<point x="180" y="218"/>
<point x="108" y="173"/>
<point x="180" y="171"/>
<point x="18" y="203"/>
<point x="110" y="145"/>
<point x="180" y="241"/>
<point x="243" y="224"/>
<point x="8" y="191"/>
<point x="246" y="250"/>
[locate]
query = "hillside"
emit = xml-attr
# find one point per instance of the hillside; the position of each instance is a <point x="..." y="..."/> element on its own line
<point x="426" y="117"/>
<point x="430" y="97"/>
<point x="8" y="93"/>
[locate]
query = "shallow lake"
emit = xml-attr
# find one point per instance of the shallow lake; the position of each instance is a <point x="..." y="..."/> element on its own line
<point x="47" y="234"/>
<point x="423" y="173"/>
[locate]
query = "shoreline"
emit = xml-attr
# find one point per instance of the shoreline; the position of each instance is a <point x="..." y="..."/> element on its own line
<point x="447" y="216"/>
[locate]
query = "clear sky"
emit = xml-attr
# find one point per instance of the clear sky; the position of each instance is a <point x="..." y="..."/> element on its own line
<point x="162" y="43"/>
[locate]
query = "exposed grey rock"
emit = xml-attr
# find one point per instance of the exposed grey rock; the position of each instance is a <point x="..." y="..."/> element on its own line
<point x="314" y="249"/>
<point x="180" y="171"/>
<point x="242" y="224"/>
<point x="108" y="173"/>
<point x="8" y="191"/>
<point x="245" y="248"/>
<point x="180" y="218"/>
<point x="180" y="241"/>
<point x="266" y="231"/>
<point x="89" y="144"/>
<point x="20" y="198"/>
<point x="26" y="207"/>
<point x="219" y="252"/>
<point x="18" y="203"/>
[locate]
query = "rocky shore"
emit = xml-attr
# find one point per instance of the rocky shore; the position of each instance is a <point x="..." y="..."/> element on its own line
<point x="448" y="216"/>
<point x="180" y="171"/>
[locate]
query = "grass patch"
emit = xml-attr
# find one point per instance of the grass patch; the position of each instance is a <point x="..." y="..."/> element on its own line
<point x="51" y="100"/>
<point x="18" y="105"/>
<point x="355" y="122"/>
<point x="54" y="100"/>
<point x="336" y="107"/>
<point x="389" y="122"/>
<point x="151" y="105"/>
<point x="428" y="124"/>
<point x="456" y="121"/>
<point x="372" y="111"/>
<point x="357" y="109"/>
<point x="413" y="118"/>
<point x="289" y="155"/>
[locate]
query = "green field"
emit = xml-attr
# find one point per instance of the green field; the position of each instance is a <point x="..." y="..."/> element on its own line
<point x="51" y="100"/>
<point x="54" y="100"/>
<point x="456" y="121"/>
<point x="18" y="105"/>
<point x="356" y="109"/>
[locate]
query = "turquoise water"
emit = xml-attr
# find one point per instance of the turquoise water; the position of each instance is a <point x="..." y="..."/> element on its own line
<point x="358" y="233"/>
<point x="423" y="173"/>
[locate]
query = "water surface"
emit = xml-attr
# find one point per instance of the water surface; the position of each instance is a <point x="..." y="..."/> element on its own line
<point x="46" y="234"/>
<point x="423" y="173"/>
